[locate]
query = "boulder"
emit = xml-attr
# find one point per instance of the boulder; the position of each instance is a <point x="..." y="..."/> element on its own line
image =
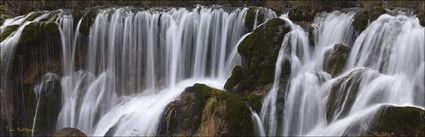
<point x="259" y="51"/>
<point x="399" y="121"/>
<point x="208" y="112"/>
<point x="336" y="59"/>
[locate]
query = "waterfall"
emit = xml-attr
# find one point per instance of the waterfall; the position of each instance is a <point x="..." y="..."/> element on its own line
<point x="385" y="67"/>
<point x="122" y="66"/>
<point x="137" y="61"/>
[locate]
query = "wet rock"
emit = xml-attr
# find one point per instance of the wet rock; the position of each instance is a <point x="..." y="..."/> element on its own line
<point x="7" y="31"/>
<point x="183" y="116"/>
<point x="259" y="51"/>
<point x="421" y="14"/>
<point x="399" y="121"/>
<point x="37" y="52"/>
<point x="336" y="59"/>
<point x="88" y="19"/>
<point x="208" y="112"/>
<point x="367" y="15"/>
<point x="69" y="132"/>
<point x="343" y="94"/>
<point x="250" y="17"/>
<point x="49" y="94"/>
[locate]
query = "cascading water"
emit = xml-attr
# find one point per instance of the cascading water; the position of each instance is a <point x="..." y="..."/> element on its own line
<point x="120" y="74"/>
<point x="385" y="67"/>
<point x="137" y="61"/>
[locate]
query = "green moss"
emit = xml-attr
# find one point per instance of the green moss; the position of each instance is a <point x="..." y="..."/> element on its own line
<point x="237" y="115"/>
<point x="184" y="116"/>
<point x="9" y="30"/>
<point x="259" y="51"/>
<point x="237" y="75"/>
<point x="302" y="13"/>
<point x="250" y="17"/>
<point x="210" y="105"/>
<point x="255" y="102"/>
<point x="33" y="15"/>
<point x="401" y="121"/>
<point x="34" y="34"/>
<point x="3" y="15"/>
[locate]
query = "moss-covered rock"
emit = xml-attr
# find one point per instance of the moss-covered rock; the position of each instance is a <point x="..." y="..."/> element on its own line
<point x="183" y="116"/>
<point x="336" y="59"/>
<point x="7" y="31"/>
<point x="259" y="52"/>
<point x="250" y="17"/>
<point x="36" y="53"/>
<point x="35" y="34"/>
<point x="205" y="111"/>
<point x="48" y="104"/>
<point x="399" y="121"/>
<point x="87" y="21"/>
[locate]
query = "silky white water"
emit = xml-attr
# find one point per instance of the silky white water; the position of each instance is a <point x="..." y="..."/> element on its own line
<point x="386" y="64"/>
<point x="138" y="61"/>
<point x="118" y="78"/>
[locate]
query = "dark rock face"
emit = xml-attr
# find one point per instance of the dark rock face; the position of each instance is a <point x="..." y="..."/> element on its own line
<point x="343" y="94"/>
<point x="184" y="116"/>
<point x="208" y="112"/>
<point x="399" y="121"/>
<point x="69" y="132"/>
<point x="336" y="59"/>
<point x="9" y="30"/>
<point x="37" y="52"/>
<point x="250" y="17"/>
<point x="48" y="104"/>
<point x="259" y="52"/>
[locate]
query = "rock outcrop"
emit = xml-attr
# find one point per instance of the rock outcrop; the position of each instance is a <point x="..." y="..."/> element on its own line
<point x="343" y="94"/>
<point x="336" y="59"/>
<point x="399" y="121"/>
<point x="259" y="52"/>
<point x="37" y="52"/>
<point x="205" y="111"/>
<point x="49" y="100"/>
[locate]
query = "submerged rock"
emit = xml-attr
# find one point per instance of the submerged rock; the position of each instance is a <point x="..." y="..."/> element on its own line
<point x="208" y="112"/>
<point x="336" y="59"/>
<point x="69" y="132"/>
<point x="399" y="121"/>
